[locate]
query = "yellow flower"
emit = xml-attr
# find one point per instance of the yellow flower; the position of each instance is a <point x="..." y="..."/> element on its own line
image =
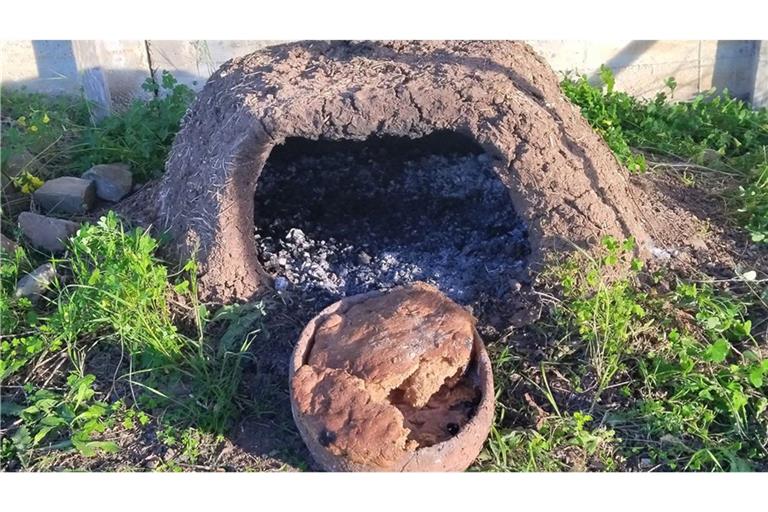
<point x="46" y="119"/>
<point x="27" y="183"/>
<point x="33" y="128"/>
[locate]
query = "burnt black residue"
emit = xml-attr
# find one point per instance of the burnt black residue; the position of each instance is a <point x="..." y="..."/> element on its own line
<point x="326" y="438"/>
<point x="340" y="218"/>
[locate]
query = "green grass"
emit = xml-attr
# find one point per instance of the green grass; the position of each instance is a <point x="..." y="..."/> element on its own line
<point x="560" y="443"/>
<point x="20" y="322"/>
<point x="116" y="295"/>
<point x="676" y="378"/>
<point x="59" y="133"/>
<point x="56" y="421"/>
<point x="713" y="130"/>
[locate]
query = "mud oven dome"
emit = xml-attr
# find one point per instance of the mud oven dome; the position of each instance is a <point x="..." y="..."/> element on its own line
<point x="497" y="102"/>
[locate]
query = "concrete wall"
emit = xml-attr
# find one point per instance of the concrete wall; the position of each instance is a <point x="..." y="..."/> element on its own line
<point x="111" y="72"/>
<point x="192" y="62"/>
<point x="641" y="67"/>
<point x="760" y="92"/>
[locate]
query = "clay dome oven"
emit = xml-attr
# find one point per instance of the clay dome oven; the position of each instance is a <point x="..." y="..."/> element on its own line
<point x="562" y="179"/>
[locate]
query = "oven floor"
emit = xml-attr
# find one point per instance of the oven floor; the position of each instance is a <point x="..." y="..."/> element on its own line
<point x="369" y="217"/>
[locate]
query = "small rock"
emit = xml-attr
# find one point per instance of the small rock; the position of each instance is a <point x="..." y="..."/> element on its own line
<point x="297" y="236"/>
<point x="7" y="244"/>
<point x="660" y="253"/>
<point x="113" y="181"/>
<point x="46" y="232"/>
<point x="281" y="283"/>
<point x="66" y="195"/>
<point x="364" y="258"/>
<point x="151" y="462"/>
<point x="35" y="283"/>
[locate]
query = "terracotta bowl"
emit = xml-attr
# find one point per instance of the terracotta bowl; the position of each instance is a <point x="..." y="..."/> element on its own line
<point x="455" y="454"/>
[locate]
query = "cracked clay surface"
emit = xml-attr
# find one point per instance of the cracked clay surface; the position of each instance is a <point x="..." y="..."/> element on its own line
<point x="564" y="181"/>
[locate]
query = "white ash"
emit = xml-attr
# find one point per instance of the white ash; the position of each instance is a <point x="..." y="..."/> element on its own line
<point x="341" y="224"/>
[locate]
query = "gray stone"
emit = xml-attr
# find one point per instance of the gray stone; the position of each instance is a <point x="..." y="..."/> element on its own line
<point x="661" y="254"/>
<point x="35" y="283"/>
<point x="281" y="283"/>
<point x="363" y="258"/>
<point x="113" y="181"/>
<point x="7" y="244"/>
<point x="46" y="232"/>
<point x="66" y="195"/>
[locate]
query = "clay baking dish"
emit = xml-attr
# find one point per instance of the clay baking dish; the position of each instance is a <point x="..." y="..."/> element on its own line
<point x="456" y="453"/>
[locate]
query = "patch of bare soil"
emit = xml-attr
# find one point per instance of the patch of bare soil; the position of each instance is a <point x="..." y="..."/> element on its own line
<point x="688" y="220"/>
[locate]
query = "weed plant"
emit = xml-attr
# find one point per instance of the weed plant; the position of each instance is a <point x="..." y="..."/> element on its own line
<point x="115" y="295"/>
<point x="59" y="134"/>
<point x="674" y="378"/>
<point x="714" y="131"/>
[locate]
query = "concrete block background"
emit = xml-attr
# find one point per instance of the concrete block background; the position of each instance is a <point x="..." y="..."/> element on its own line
<point x="110" y="73"/>
<point x="760" y="93"/>
<point x="641" y="67"/>
<point x="192" y="62"/>
<point x="45" y="66"/>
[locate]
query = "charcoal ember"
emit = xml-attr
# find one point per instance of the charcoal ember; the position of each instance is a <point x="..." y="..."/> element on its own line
<point x="346" y="222"/>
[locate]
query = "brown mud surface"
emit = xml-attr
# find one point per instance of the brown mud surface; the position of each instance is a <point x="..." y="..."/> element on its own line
<point x="564" y="182"/>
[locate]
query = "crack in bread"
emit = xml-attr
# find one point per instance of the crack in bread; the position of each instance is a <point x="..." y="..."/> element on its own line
<point x="388" y="375"/>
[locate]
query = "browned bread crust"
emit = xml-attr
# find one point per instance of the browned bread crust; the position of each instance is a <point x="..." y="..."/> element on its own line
<point x="386" y="376"/>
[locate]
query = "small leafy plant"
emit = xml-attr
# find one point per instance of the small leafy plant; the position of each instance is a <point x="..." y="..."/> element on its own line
<point x="22" y="325"/>
<point x="703" y="391"/>
<point x="50" y="420"/>
<point x="714" y="130"/>
<point x="675" y="375"/>
<point x="59" y="135"/>
<point x="559" y="443"/>
<point x="119" y="292"/>
<point x="605" y="314"/>
<point x="142" y="135"/>
<point x="40" y="126"/>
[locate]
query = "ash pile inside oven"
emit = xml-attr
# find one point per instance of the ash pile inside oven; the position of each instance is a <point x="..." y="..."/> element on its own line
<point x="366" y="216"/>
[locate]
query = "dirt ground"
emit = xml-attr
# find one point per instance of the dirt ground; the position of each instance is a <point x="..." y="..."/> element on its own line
<point x="694" y="238"/>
